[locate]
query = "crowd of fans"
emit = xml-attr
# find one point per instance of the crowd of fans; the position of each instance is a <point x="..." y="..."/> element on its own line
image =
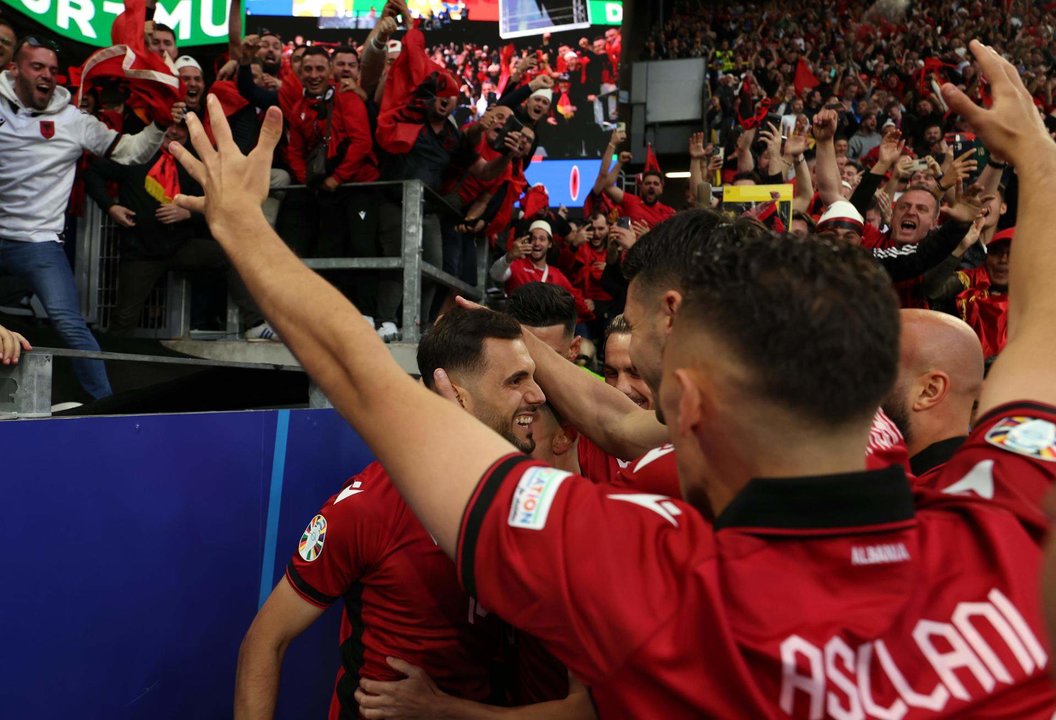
<point x="773" y="561"/>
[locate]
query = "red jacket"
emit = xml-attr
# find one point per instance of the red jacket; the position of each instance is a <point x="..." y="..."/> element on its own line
<point x="984" y="310"/>
<point x="351" y="148"/>
<point x="587" y="278"/>
<point x="522" y="272"/>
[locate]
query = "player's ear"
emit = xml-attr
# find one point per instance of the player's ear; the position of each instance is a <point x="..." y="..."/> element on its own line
<point x="691" y="405"/>
<point x="935" y="387"/>
<point x="670" y="302"/>
<point x="573" y="349"/>
<point x="564" y="439"/>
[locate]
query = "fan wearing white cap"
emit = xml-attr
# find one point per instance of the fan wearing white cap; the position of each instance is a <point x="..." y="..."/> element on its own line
<point x="844" y="221"/>
<point x="190" y="73"/>
<point x="525" y="262"/>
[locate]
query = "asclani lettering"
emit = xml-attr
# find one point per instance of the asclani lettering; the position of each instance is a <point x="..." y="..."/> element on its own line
<point x="836" y="680"/>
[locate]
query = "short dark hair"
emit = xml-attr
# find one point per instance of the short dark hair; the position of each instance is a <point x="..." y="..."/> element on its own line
<point x="663" y="256"/>
<point x="814" y="320"/>
<point x="344" y="50"/>
<point x="164" y="28"/>
<point x="538" y="304"/>
<point x="654" y="173"/>
<point x="456" y="341"/>
<point x="315" y="50"/>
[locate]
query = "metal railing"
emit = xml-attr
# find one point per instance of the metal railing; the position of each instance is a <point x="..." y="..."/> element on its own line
<point x="25" y="388"/>
<point x="167" y="312"/>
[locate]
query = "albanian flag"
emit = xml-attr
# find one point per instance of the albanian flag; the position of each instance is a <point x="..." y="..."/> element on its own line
<point x="153" y="88"/>
<point x="805" y="79"/>
<point x="535" y="201"/>
<point x="505" y="58"/>
<point x="414" y="81"/>
<point x="163" y="180"/>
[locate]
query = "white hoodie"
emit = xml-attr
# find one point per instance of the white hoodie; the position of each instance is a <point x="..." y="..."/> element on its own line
<point x="39" y="150"/>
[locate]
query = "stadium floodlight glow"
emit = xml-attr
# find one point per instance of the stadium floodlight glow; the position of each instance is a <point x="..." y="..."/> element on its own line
<point x="678" y="175"/>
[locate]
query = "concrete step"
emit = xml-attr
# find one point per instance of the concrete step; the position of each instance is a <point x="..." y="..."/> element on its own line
<point x="271" y="353"/>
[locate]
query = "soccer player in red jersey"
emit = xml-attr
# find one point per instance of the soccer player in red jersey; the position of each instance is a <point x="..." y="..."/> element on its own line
<point x="365" y="547"/>
<point x="820" y="588"/>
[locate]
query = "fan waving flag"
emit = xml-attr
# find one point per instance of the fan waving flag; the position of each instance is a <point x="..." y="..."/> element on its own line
<point x="154" y="89"/>
<point x="414" y="82"/>
<point x="163" y="180"/>
<point x="805" y="78"/>
<point x="505" y="58"/>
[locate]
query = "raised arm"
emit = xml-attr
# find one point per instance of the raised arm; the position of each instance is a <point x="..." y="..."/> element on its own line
<point x="827" y="170"/>
<point x="1013" y="129"/>
<point x="375" y="52"/>
<point x="328" y="335"/>
<point x="606" y="174"/>
<point x="599" y="411"/>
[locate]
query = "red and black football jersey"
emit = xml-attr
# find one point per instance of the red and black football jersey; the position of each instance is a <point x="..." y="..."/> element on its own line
<point x="594" y="463"/>
<point x="809" y="597"/>
<point x="400" y="592"/>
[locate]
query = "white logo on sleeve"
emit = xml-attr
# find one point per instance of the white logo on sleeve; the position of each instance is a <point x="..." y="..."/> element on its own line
<point x="980" y="480"/>
<point x="1025" y="436"/>
<point x="534" y="496"/>
<point x="353" y="489"/>
<point x="659" y="504"/>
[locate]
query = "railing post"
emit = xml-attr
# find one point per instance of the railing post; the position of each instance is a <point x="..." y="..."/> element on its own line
<point x="412" y="259"/>
<point x="25" y="389"/>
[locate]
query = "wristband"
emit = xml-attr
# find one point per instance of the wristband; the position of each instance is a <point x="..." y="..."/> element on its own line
<point x="799" y="158"/>
<point x="997" y="165"/>
<point x="383" y="47"/>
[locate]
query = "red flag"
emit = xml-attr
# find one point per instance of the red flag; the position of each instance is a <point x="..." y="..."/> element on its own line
<point x="805" y="79"/>
<point x="505" y="58"/>
<point x="534" y="201"/>
<point x="231" y="101"/>
<point x="154" y="89"/>
<point x="564" y="105"/>
<point x="414" y="80"/>
<point x="163" y="180"/>
<point x="129" y="27"/>
<point x="651" y="164"/>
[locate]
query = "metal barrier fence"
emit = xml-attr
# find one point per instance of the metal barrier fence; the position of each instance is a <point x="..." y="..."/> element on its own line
<point x="166" y="314"/>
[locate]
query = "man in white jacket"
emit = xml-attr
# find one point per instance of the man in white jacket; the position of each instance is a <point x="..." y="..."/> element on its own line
<point x="42" y="136"/>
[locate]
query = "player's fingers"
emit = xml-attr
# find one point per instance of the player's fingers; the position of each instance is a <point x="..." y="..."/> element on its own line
<point x="270" y="133"/>
<point x="377" y="687"/>
<point x="199" y="140"/>
<point x="962" y="104"/>
<point x="218" y="123"/>
<point x="396" y="663"/>
<point x="468" y="304"/>
<point x="8" y="346"/>
<point x="194" y="203"/>
<point x="445" y="388"/>
<point x="371" y="701"/>
<point x="189" y="162"/>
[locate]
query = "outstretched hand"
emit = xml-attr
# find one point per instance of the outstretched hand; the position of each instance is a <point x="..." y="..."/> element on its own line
<point x="1011" y="127"/>
<point x="235" y="184"/>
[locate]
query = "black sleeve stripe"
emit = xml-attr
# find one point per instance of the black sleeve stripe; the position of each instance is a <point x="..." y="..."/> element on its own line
<point x="475" y="514"/>
<point x="306" y="589"/>
<point x="1025" y="405"/>
<point x="113" y="145"/>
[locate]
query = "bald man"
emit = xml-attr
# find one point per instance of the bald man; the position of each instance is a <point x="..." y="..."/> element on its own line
<point x="940" y="376"/>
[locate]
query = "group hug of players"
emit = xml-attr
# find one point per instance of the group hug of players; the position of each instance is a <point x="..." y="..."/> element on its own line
<point x="767" y="563"/>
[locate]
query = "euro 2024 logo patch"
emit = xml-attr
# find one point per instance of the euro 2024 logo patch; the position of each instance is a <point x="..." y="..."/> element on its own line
<point x="311" y="545"/>
<point x="1025" y="436"/>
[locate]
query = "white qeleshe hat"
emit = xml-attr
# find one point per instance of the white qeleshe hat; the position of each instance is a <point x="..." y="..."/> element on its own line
<point x="543" y="92"/>
<point x="541" y="225"/>
<point x="841" y="214"/>
<point x="186" y="61"/>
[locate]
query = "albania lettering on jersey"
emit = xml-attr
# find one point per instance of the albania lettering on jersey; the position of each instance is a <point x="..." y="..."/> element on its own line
<point x="836" y="680"/>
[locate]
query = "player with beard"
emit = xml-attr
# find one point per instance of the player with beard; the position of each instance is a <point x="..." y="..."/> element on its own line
<point x="940" y="375"/>
<point x="769" y="426"/>
<point x="366" y="548"/>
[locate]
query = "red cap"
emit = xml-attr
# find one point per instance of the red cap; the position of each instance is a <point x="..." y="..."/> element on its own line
<point x="1003" y="236"/>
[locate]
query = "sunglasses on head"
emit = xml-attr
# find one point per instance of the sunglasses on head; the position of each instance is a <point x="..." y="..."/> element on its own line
<point x="36" y="42"/>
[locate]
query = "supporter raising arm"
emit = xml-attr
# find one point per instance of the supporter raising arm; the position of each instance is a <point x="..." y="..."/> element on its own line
<point x="826" y="168"/>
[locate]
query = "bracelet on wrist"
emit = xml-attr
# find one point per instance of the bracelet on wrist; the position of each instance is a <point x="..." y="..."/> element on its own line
<point x="997" y="165"/>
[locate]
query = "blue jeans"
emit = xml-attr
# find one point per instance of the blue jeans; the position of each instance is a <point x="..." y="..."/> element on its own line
<point x="45" y="267"/>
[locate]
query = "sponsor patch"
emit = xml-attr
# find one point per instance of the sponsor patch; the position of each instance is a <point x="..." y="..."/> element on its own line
<point x="533" y="497"/>
<point x="311" y="545"/>
<point x="1025" y="436"/>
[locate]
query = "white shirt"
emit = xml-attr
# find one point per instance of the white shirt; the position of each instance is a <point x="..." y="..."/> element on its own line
<point x="39" y="151"/>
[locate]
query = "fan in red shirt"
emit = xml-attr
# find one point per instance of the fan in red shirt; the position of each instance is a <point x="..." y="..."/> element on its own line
<point x="525" y="262"/>
<point x="646" y="206"/>
<point x="366" y="548"/>
<point x="984" y="302"/>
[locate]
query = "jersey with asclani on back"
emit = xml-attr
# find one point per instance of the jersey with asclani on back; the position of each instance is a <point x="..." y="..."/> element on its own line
<point x="838" y="596"/>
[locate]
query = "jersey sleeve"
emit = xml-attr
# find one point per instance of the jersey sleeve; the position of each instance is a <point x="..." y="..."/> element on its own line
<point x="587" y="569"/>
<point x="339" y="543"/>
<point x="1008" y="459"/>
<point x="95" y="136"/>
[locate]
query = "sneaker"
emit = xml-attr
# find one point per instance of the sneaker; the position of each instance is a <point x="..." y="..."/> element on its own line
<point x="369" y="319"/>
<point x="388" y="332"/>
<point x="262" y="333"/>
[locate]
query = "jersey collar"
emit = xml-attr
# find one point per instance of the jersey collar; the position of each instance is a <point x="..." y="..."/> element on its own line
<point x="935" y="454"/>
<point x="828" y="502"/>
